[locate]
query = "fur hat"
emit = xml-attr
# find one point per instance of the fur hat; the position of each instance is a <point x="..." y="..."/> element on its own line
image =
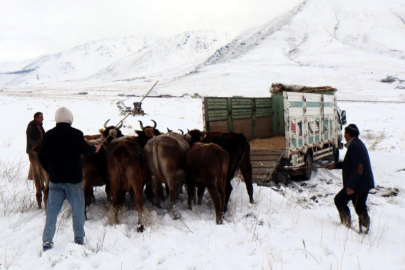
<point x="353" y="130"/>
<point x="63" y="115"/>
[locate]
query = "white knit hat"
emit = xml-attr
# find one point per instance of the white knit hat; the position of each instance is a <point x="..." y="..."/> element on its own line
<point x="63" y="115"/>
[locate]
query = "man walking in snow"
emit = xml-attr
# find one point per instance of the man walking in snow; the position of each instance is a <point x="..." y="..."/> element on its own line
<point x="34" y="132"/>
<point x="357" y="180"/>
<point x="60" y="156"/>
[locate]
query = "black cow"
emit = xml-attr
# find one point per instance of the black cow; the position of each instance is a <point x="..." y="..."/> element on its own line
<point x="207" y="167"/>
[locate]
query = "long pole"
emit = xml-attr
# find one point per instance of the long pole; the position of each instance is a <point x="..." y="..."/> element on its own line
<point x="122" y="120"/>
<point x="148" y="92"/>
<point x="298" y="168"/>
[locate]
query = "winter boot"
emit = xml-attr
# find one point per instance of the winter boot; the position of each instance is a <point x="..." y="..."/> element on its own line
<point x="47" y="245"/>
<point x="364" y="224"/>
<point x="345" y="219"/>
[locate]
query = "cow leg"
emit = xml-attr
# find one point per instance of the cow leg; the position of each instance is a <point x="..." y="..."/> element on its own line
<point x="46" y="191"/>
<point x="132" y="198"/>
<point x="108" y="192"/>
<point x="190" y="194"/>
<point x="116" y="202"/>
<point x="228" y="191"/>
<point x="200" y="192"/>
<point x="88" y="191"/>
<point x="37" y="181"/>
<point x="155" y="190"/>
<point x="137" y="188"/>
<point x="216" y="199"/>
<point x="173" y="196"/>
<point x="245" y="167"/>
<point x="167" y="190"/>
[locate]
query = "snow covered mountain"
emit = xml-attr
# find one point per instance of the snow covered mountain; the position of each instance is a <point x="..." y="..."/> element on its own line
<point x="171" y="57"/>
<point x="351" y="45"/>
<point x="77" y="63"/>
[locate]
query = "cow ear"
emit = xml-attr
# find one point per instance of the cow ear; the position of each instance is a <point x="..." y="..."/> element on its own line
<point x="137" y="132"/>
<point x="188" y="137"/>
<point x="101" y="131"/>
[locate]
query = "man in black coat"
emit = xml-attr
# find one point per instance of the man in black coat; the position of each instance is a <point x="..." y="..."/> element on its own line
<point x="34" y="132"/>
<point x="357" y="179"/>
<point x="60" y="156"/>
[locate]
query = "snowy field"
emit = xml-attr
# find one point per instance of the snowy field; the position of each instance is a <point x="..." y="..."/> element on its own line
<point x="292" y="227"/>
<point x="351" y="45"/>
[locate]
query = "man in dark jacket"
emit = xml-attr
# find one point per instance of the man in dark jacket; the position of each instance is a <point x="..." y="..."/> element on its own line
<point x="60" y="156"/>
<point x="357" y="179"/>
<point x="34" y="132"/>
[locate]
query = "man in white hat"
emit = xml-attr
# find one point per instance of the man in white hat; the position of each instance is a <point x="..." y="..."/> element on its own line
<point x="60" y="156"/>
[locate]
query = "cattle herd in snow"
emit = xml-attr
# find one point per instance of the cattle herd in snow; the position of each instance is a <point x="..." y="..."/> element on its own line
<point x="159" y="165"/>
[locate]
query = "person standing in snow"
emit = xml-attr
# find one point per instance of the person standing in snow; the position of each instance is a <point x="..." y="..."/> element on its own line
<point x="34" y="132"/>
<point x="60" y="156"/>
<point x="357" y="180"/>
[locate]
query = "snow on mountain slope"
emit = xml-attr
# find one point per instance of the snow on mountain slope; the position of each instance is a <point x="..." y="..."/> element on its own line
<point x="76" y="63"/>
<point x="169" y="57"/>
<point x="351" y="45"/>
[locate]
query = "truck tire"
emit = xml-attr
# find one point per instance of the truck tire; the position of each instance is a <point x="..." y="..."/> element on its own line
<point x="308" y="164"/>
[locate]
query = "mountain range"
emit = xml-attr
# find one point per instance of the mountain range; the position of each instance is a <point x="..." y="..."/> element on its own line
<point x="352" y="45"/>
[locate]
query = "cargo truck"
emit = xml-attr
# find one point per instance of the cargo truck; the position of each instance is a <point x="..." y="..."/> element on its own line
<point x="288" y="131"/>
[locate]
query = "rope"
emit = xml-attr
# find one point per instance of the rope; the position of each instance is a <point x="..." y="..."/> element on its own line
<point x="132" y="111"/>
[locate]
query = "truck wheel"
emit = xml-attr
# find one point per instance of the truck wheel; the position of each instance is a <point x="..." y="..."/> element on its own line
<point x="308" y="164"/>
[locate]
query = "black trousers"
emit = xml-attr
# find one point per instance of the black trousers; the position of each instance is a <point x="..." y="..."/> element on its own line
<point x="358" y="199"/>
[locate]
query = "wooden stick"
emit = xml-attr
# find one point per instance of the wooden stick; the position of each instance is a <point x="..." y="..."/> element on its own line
<point x="122" y="120"/>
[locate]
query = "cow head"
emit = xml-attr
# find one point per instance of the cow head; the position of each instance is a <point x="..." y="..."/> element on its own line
<point x="111" y="132"/>
<point x="147" y="132"/>
<point x="195" y="135"/>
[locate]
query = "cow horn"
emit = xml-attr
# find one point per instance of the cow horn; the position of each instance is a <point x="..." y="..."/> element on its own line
<point x="168" y="130"/>
<point x="155" y="124"/>
<point x="140" y="123"/>
<point x="105" y="124"/>
<point x="120" y="126"/>
<point x="188" y="131"/>
<point x="182" y="132"/>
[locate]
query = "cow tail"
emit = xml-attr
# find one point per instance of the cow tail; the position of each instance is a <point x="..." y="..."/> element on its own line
<point x="123" y="161"/>
<point x="244" y="149"/>
<point x="156" y="158"/>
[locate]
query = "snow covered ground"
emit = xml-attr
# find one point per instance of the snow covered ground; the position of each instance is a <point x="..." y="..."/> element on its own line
<point x="292" y="227"/>
<point x="350" y="45"/>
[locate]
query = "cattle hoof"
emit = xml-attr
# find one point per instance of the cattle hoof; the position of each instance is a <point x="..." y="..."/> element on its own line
<point x="175" y="215"/>
<point x="220" y="221"/>
<point x="252" y="201"/>
<point x="140" y="228"/>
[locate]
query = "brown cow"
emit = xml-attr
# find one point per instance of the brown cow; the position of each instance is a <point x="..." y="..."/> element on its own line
<point x="41" y="177"/>
<point x="238" y="149"/>
<point x="165" y="155"/>
<point x="95" y="166"/>
<point x="126" y="167"/>
<point x="207" y="167"/>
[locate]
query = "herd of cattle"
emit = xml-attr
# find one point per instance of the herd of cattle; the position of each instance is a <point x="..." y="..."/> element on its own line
<point x="143" y="163"/>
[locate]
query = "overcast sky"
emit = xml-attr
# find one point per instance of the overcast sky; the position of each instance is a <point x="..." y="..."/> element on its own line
<point x="29" y="28"/>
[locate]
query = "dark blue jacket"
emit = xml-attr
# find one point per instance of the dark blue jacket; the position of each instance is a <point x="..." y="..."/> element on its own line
<point x="356" y="167"/>
<point x="61" y="151"/>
